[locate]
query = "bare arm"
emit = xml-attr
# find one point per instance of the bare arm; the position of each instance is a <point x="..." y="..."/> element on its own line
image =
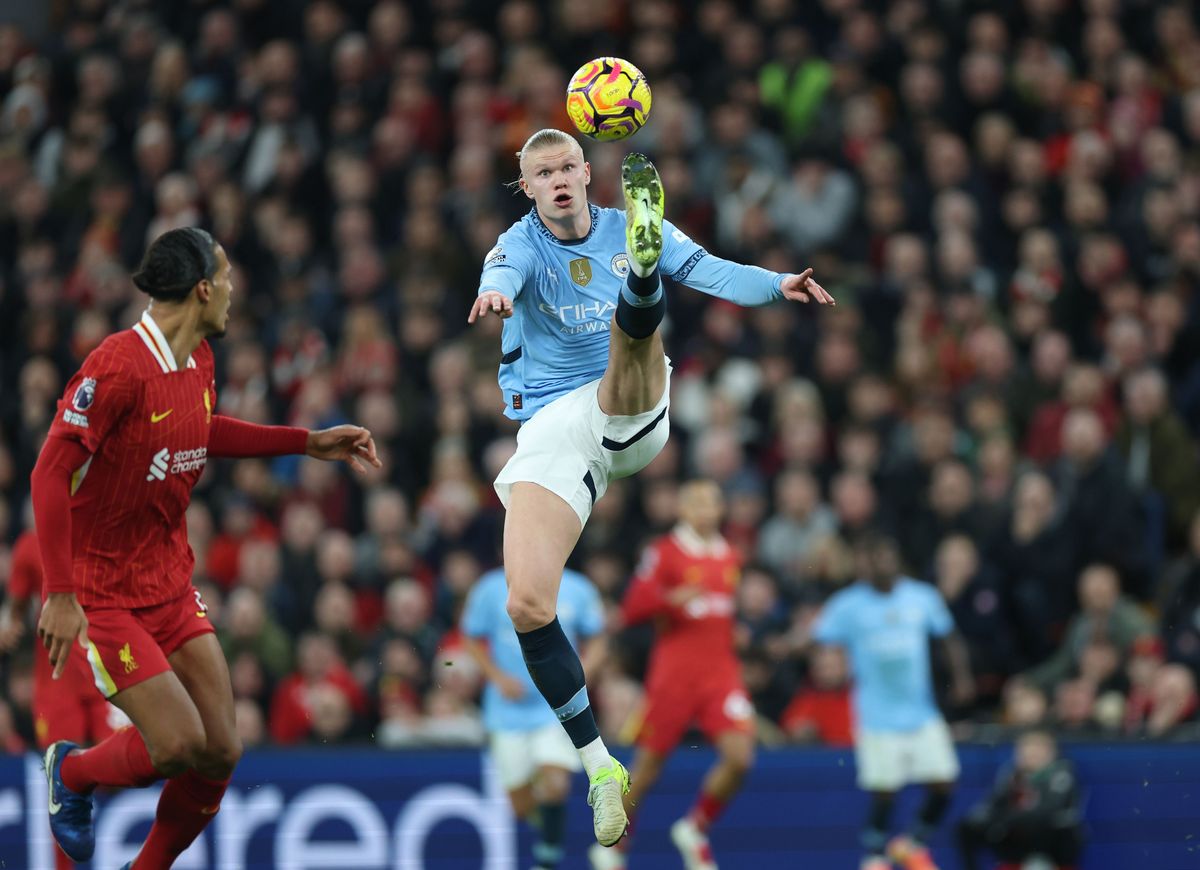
<point x="508" y="686"/>
<point x="593" y="654"/>
<point x="963" y="688"/>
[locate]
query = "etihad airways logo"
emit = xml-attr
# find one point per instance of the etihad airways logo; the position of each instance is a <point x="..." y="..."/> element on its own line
<point x="164" y="462"/>
<point x="580" y="317"/>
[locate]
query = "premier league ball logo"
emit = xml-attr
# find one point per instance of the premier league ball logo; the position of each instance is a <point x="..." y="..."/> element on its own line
<point x="85" y="394"/>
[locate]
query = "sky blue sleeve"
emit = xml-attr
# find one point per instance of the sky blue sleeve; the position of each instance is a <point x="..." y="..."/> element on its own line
<point x="477" y="614"/>
<point x="687" y="263"/>
<point x="941" y="623"/>
<point x="833" y="624"/>
<point x="506" y="266"/>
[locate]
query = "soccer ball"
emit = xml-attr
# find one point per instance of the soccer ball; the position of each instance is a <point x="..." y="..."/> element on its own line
<point x="608" y="99"/>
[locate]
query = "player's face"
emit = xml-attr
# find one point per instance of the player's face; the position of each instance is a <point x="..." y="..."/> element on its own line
<point x="556" y="179"/>
<point x="216" y="309"/>
<point x="702" y="506"/>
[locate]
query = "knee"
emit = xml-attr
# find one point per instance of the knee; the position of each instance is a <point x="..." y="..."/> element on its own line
<point x="527" y="610"/>
<point x="220" y="756"/>
<point x="172" y="754"/>
<point x="553" y="786"/>
<point x="739" y="757"/>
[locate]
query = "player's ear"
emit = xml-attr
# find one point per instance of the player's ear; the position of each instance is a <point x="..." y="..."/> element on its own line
<point x="587" y="173"/>
<point x="525" y="187"/>
<point x="203" y="290"/>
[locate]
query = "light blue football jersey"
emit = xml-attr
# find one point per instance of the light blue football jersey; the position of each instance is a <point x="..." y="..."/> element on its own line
<point x="887" y="638"/>
<point x="564" y="295"/>
<point x="581" y="615"/>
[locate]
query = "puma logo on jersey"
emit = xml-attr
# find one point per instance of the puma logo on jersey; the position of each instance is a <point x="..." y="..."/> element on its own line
<point x="159" y="465"/>
<point x="154" y="418"/>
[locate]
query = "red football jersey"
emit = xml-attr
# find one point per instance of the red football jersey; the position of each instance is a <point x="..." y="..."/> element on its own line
<point x="695" y="640"/>
<point x="146" y="423"/>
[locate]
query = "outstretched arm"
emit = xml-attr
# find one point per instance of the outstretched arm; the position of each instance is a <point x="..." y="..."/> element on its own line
<point x="687" y="263"/>
<point x="233" y="438"/>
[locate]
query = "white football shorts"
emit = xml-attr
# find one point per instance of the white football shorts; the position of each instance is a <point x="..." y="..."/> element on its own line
<point x="518" y="754"/>
<point x="574" y="449"/>
<point x="890" y="760"/>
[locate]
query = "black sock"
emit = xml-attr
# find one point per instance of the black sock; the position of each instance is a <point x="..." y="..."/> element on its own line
<point x="641" y="305"/>
<point x="874" y="836"/>
<point x="558" y="674"/>
<point x="932" y="811"/>
<point x="548" y="851"/>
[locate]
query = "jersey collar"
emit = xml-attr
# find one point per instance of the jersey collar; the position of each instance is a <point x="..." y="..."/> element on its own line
<point x="545" y="230"/>
<point x="698" y="547"/>
<point x="151" y="336"/>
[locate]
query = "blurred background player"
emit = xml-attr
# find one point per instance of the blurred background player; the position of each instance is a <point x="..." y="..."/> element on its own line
<point x="885" y="622"/>
<point x="583" y="368"/>
<point x="68" y="708"/>
<point x="1034" y="811"/>
<point x="687" y="583"/>
<point x="534" y="758"/>
<point x="130" y="440"/>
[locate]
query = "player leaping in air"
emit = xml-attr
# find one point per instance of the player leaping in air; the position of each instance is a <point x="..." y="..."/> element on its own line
<point x="133" y="432"/>
<point x="583" y="369"/>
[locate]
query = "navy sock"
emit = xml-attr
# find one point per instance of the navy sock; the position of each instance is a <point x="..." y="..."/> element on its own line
<point x="874" y="836"/>
<point x="932" y="811"/>
<point x="548" y="851"/>
<point x="641" y="305"/>
<point x="558" y="674"/>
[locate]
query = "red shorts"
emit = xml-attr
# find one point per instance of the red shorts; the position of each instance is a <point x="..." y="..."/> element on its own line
<point x="127" y="647"/>
<point x="70" y="708"/>
<point x="716" y="707"/>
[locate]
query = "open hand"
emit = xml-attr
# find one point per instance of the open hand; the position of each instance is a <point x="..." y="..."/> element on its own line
<point x="491" y="300"/>
<point x="802" y="288"/>
<point x="350" y="444"/>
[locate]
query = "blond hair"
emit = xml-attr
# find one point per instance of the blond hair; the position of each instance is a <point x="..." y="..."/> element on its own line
<point x="545" y="138"/>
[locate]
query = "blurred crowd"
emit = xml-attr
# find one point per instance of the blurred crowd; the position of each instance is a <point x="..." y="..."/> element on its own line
<point x="1003" y="197"/>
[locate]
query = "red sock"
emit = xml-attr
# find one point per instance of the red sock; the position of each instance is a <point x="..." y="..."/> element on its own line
<point x="188" y="803"/>
<point x="61" y="861"/>
<point x="707" y="809"/>
<point x="120" y="760"/>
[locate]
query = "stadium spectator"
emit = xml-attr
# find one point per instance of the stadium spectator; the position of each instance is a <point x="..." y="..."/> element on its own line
<point x="1033" y="811"/>
<point x="821" y="710"/>
<point x="1106" y="617"/>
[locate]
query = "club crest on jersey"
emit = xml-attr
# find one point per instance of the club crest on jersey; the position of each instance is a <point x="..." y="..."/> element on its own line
<point x="581" y="271"/>
<point x="85" y="394"/>
<point x="125" y="654"/>
<point x="620" y="265"/>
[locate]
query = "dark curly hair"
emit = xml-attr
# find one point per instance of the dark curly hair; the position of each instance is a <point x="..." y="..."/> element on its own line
<point x="176" y="262"/>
